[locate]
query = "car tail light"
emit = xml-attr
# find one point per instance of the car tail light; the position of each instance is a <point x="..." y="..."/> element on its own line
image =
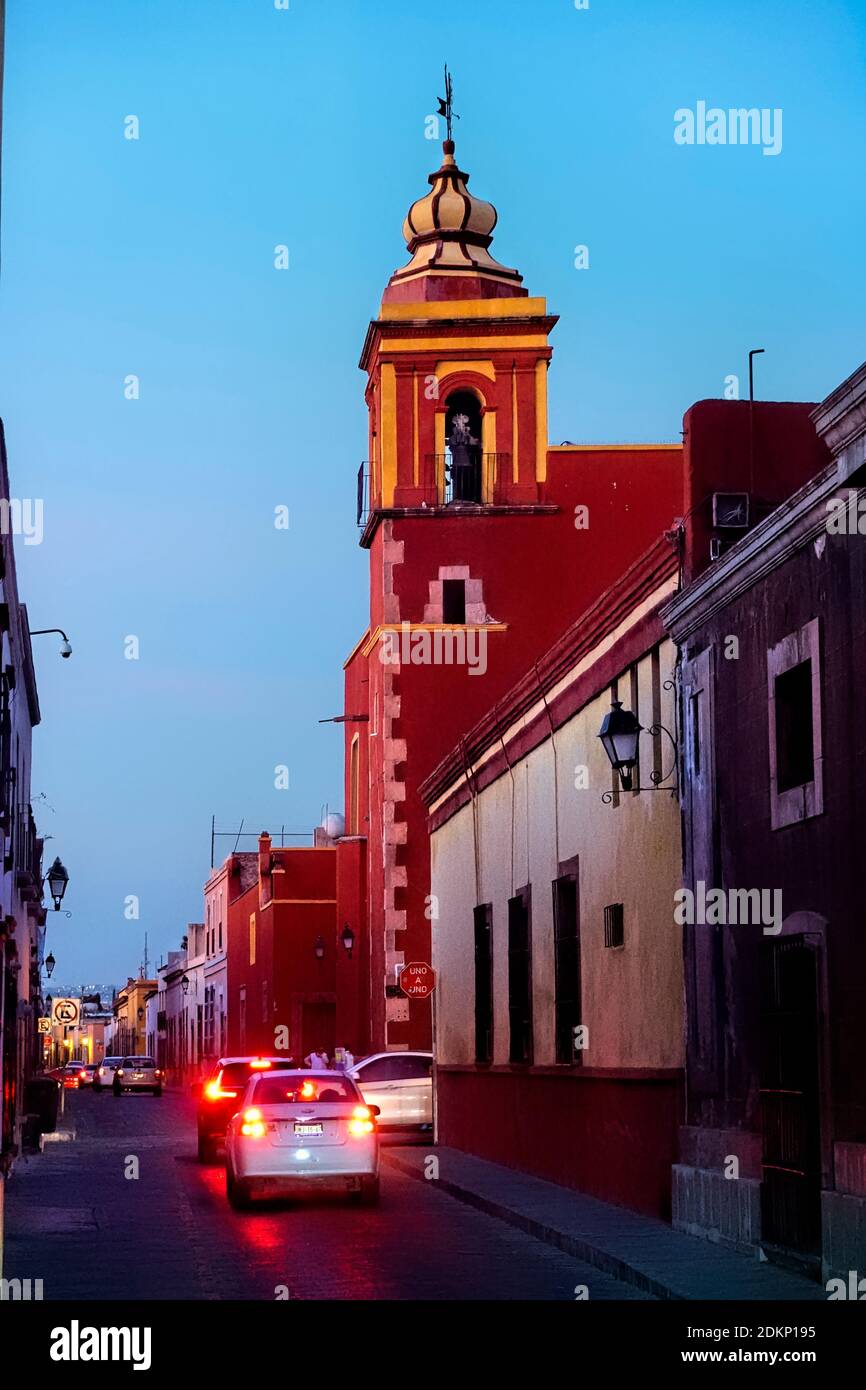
<point x="259" y="1064"/>
<point x="308" y="1090"/>
<point x="253" y="1126"/>
<point x="119" y="1071"/>
<point x="361" y="1122"/>
<point x="214" y="1091"/>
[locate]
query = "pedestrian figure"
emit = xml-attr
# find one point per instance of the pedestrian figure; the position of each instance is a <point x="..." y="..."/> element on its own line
<point x="318" y="1060"/>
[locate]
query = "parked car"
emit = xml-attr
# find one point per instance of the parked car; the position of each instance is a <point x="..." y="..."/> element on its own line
<point x="88" y="1074"/>
<point x="401" y="1084"/>
<point x="221" y="1094"/>
<point x="137" y="1074"/>
<point x="297" y="1130"/>
<point x="72" y="1075"/>
<point x="105" y="1074"/>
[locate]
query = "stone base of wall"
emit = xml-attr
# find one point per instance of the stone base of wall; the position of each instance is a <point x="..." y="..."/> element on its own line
<point x="725" y="1210"/>
<point x="843" y="1235"/>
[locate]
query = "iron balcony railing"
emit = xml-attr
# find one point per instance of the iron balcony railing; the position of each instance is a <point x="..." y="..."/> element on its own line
<point x="363" y="500"/>
<point x="477" y="483"/>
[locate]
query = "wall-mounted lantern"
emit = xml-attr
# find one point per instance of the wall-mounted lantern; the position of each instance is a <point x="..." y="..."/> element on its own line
<point x="57" y="878"/>
<point x="619" y="734"/>
<point x="347" y="940"/>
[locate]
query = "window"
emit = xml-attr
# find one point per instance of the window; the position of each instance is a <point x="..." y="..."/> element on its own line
<point x="454" y="601"/>
<point x="252" y="938"/>
<point x="483" y="983"/>
<point x="400" y="1067"/>
<point x="614" y="925"/>
<point x="795" y="763"/>
<point x="519" y="978"/>
<point x="354" y="787"/>
<point x="566" y="948"/>
<point x="794" y="700"/>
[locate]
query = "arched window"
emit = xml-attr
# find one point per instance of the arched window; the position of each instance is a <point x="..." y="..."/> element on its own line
<point x="354" y="786"/>
<point x="463" y="445"/>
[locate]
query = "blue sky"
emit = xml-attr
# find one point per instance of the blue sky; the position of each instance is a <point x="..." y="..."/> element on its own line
<point x="155" y="257"/>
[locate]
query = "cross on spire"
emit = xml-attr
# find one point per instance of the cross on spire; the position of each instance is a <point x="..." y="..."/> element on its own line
<point x="446" y="103"/>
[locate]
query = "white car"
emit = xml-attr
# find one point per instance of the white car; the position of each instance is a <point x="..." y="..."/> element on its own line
<point x="297" y="1130"/>
<point x="401" y="1084"/>
<point x="105" y="1072"/>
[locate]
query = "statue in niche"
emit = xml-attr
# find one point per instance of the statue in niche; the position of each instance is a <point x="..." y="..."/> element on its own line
<point x="464" y="457"/>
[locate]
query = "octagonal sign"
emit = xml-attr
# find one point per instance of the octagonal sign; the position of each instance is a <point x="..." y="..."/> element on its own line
<point x="418" y="979"/>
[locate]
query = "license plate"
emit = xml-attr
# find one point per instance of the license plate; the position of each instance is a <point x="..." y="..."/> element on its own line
<point x="138" y="1076"/>
<point x="305" y="1131"/>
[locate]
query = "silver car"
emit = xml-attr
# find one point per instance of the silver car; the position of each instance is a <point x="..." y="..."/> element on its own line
<point x="137" y="1074"/>
<point x="297" y="1130"/>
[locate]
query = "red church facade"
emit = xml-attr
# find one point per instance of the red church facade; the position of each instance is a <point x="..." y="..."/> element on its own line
<point x="472" y="578"/>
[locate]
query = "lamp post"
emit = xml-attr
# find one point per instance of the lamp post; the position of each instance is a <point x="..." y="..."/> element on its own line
<point x="50" y="963"/>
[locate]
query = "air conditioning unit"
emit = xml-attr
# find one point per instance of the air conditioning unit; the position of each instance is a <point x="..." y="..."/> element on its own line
<point x="731" y="511"/>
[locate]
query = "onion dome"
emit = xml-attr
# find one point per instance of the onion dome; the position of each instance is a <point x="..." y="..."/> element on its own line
<point x="447" y="233"/>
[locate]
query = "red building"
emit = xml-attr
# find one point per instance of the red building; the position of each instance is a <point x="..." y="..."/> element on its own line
<point x="484" y="544"/>
<point x="281" y="950"/>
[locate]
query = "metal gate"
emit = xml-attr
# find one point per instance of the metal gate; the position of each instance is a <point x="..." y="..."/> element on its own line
<point x="791" y="1188"/>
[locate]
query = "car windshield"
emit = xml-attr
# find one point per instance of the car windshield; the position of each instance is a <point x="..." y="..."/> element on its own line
<point x="139" y="1063"/>
<point x="239" y="1073"/>
<point x="292" y="1089"/>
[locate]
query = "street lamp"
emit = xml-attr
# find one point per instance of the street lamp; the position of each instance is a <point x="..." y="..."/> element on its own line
<point x="619" y="735"/>
<point x="319" y="948"/>
<point x="65" y="645"/>
<point x="184" y="984"/>
<point x="347" y="940"/>
<point x="50" y="963"/>
<point x="58" y="878"/>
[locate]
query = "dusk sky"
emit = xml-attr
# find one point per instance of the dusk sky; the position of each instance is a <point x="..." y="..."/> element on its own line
<point x="155" y="257"/>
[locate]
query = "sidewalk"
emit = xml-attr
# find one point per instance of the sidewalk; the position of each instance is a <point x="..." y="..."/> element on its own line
<point x="636" y="1249"/>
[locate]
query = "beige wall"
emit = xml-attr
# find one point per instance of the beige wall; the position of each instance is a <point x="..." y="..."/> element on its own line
<point x="632" y="996"/>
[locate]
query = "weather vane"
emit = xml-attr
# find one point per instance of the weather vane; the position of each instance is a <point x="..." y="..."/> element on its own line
<point x="446" y="103"/>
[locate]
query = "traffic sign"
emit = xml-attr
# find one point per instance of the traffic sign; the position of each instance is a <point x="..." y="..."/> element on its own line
<point x="418" y="979"/>
<point x="66" y="1011"/>
<point x="45" y="1025"/>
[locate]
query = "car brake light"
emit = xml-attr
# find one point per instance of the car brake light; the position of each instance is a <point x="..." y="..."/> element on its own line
<point x="253" y="1125"/>
<point x="214" y="1091"/>
<point x="308" y="1090"/>
<point x="259" y="1064"/>
<point x="361" y="1122"/>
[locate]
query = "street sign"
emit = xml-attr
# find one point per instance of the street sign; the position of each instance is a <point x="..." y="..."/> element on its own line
<point x="66" y="1011"/>
<point x="44" y="1025"/>
<point x="417" y="979"/>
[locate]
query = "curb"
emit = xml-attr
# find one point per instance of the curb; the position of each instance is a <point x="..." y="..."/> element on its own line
<point x="581" y="1249"/>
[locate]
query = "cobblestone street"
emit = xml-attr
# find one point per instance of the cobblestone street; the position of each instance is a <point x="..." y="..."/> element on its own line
<point x="77" y="1222"/>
